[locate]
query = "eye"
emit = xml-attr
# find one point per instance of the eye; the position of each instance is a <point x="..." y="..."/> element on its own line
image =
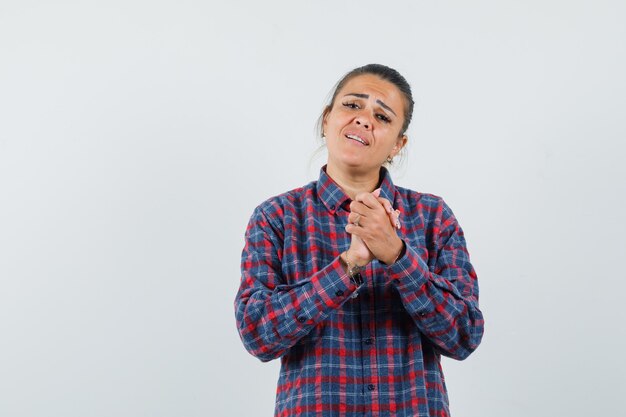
<point x="350" y="105"/>
<point x="383" y="118"/>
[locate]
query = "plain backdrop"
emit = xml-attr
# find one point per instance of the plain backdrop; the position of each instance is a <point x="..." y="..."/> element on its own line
<point x="136" y="138"/>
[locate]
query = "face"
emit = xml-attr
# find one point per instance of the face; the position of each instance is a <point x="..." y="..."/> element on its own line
<point x="364" y="125"/>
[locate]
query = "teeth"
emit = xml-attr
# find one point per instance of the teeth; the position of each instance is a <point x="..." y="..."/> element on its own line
<point x="358" y="139"/>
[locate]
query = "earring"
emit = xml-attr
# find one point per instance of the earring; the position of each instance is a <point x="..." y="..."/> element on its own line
<point x="389" y="160"/>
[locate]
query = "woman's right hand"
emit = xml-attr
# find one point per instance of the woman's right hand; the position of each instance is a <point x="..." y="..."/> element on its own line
<point x="358" y="253"/>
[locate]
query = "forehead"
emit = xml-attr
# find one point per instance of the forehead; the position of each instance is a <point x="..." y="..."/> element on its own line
<point x="377" y="89"/>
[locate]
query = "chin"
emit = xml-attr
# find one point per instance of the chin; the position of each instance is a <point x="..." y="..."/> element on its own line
<point x="359" y="166"/>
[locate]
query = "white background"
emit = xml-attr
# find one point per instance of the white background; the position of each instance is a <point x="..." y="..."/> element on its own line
<point x="136" y="137"/>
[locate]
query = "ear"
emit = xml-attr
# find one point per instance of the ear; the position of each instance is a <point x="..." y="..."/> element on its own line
<point x="400" y="143"/>
<point x="325" y="116"/>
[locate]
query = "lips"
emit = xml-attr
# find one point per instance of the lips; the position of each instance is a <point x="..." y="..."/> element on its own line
<point x="357" y="138"/>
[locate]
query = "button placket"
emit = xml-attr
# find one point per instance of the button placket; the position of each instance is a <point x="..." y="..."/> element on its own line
<point x="368" y="332"/>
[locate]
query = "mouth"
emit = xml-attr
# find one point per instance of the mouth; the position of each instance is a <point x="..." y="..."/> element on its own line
<point x="357" y="138"/>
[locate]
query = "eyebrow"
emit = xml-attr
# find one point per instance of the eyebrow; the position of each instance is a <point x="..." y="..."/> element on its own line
<point x="382" y="104"/>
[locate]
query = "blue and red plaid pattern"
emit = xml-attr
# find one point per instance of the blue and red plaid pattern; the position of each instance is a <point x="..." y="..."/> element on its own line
<point x="347" y="351"/>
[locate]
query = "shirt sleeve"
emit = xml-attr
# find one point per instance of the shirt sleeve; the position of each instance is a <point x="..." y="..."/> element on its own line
<point x="442" y="298"/>
<point x="273" y="314"/>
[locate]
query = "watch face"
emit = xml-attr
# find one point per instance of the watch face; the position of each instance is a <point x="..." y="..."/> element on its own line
<point x="355" y="270"/>
<point x="357" y="278"/>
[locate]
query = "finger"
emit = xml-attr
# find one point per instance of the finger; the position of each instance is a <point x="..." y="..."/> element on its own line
<point x="353" y="229"/>
<point x="360" y="208"/>
<point x="354" y="218"/>
<point x="396" y="216"/>
<point x="393" y="215"/>
<point x="369" y="200"/>
<point x="360" y="196"/>
<point x="386" y="204"/>
<point x="393" y="219"/>
<point x="357" y="233"/>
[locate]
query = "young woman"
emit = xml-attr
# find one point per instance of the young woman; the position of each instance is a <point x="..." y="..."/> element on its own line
<point x="356" y="284"/>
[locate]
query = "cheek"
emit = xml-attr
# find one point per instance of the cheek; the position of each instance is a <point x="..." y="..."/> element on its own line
<point x="337" y="117"/>
<point x="333" y="124"/>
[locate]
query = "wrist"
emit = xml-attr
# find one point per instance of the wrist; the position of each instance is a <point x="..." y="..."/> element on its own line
<point x="400" y="248"/>
<point x="353" y="259"/>
<point x="352" y="269"/>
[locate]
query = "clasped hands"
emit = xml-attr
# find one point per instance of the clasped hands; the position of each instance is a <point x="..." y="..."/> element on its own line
<point x="372" y="225"/>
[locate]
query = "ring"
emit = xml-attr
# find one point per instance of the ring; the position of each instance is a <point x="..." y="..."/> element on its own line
<point x="356" y="222"/>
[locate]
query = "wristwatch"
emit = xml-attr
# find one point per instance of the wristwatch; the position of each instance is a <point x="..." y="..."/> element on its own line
<point x="354" y="271"/>
<point x="355" y="275"/>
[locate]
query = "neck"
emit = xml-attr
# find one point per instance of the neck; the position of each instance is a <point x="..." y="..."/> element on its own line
<point x="353" y="183"/>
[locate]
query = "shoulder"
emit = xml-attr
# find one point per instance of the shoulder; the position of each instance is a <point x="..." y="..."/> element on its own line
<point x="416" y="198"/>
<point x="426" y="205"/>
<point x="274" y="209"/>
<point x="278" y="204"/>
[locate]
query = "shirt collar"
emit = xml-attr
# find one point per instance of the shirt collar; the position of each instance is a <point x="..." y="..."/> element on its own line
<point x="333" y="196"/>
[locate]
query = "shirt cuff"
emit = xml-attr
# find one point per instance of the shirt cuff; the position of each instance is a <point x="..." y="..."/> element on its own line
<point x="410" y="274"/>
<point x="333" y="284"/>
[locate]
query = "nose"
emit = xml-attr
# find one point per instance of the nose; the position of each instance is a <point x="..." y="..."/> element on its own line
<point x="362" y="121"/>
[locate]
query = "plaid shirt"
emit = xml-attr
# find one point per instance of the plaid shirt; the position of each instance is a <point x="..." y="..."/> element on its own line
<point x="347" y="351"/>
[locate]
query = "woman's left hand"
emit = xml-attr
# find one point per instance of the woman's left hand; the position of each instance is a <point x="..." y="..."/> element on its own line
<point x="372" y="219"/>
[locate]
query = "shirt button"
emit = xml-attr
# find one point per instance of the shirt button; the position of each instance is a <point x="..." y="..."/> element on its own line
<point x="332" y="207"/>
<point x="301" y="319"/>
<point x="339" y="293"/>
<point x="368" y="341"/>
<point x="371" y="387"/>
<point x="422" y="314"/>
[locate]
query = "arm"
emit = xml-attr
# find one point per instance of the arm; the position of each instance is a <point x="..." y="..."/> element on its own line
<point x="443" y="302"/>
<point x="272" y="315"/>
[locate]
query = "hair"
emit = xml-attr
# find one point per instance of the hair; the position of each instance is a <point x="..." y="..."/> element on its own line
<point x="383" y="72"/>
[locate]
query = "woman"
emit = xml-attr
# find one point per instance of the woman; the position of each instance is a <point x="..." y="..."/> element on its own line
<point x="357" y="303"/>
